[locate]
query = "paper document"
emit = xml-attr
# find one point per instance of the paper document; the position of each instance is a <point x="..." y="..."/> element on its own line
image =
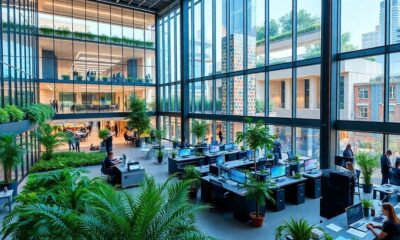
<point x="357" y="233"/>
<point x="334" y="227"/>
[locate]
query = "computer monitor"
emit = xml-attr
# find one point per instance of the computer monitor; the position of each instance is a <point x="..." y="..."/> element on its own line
<point x="183" y="152"/>
<point x="250" y="154"/>
<point x="278" y="171"/>
<point x="220" y="160"/>
<point x="229" y="146"/>
<point x="354" y="213"/>
<point x="223" y="173"/>
<point x="214" y="148"/>
<point x="310" y="164"/>
<point x="238" y="176"/>
<point x="393" y="198"/>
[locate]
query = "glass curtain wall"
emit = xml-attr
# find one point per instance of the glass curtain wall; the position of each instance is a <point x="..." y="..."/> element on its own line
<point x="18" y="69"/>
<point x="94" y="56"/>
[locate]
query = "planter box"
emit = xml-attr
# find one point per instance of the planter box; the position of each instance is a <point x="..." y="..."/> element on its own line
<point x="17" y="127"/>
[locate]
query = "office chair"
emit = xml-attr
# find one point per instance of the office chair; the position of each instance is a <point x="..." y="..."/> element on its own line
<point x="394" y="178"/>
<point x="290" y="156"/>
<point x="357" y="175"/>
<point x="105" y="172"/>
<point x="218" y="196"/>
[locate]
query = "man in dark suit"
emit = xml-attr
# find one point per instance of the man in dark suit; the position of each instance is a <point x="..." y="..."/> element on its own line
<point x="109" y="143"/>
<point x="348" y="152"/>
<point x="277" y="149"/>
<point x="385" y="166"/>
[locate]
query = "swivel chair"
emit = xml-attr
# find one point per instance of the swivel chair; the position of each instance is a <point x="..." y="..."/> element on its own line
<point x="218" y="196"/>
<point x="394" y="178"/>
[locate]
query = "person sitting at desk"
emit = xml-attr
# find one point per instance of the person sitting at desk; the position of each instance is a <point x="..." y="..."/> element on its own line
<point x="110" y="168"/>
<point x="390" y="228"/>
<point x="350" y="167"/>
<point x="348" y="152"/>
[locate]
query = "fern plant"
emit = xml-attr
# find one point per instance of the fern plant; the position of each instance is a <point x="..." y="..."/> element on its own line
<point x="199" y="129"/>
<point x="49" y="139"/>
<point x="4" y="117"/>
<point x="14" y="113"/>
<point x="297" y="229"/>
<point x="11" y="155"/>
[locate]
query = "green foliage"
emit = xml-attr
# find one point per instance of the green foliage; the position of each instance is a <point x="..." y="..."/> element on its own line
<point x="159" y="134"/>
<point x="4" y="117"/>
<point x="66" y="205"/>
<point x="368" y="163"/>
<point x="49" y="139"/>
<point x="190" y="173"/>
<point x="104" y="133"/>
<point x="297" y="229"/>
<point x="138" y="118"/>
<point x="256" y="136"/>
<point x="14" y="113"/>
<point x="39" y="112"/>
<point x="199" y="129"/>
<point x="367" y="203"/>
<point x="345" y="44"/>
<point x="63" y="160"/>
<point x="11" y="155"/>
<point x="259" y="191"/>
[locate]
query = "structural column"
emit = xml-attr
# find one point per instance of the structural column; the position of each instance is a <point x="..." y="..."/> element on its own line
<point x="184" y="70"/>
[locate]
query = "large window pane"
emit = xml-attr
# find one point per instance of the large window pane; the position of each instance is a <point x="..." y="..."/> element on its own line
<point x="280" y="31"/>
<point x="362" y="24"/>
<point x="221" y="31"/>
<point x="208" y="96"/>
<point x="308" y="92"/>
<point x="256" y="94"/>
<point x="280" y="93"/>
<point x="308" y="29"/>
<point x="360" y="89"/>
<point x="307" y="142"/>
<point x="255" y="33"/>
<point x="221" y="92"/>
<point x="394" y="88"/>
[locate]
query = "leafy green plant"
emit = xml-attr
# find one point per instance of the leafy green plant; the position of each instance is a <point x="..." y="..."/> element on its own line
<point x="11" y="154"/>
<point x="14" y="113"/>
<point x="368" y="163"/>
<point x="256" y="136"/>
<point x="39" y="112"/>
<point x="259" y="191"/>
<point x="367" y="203"/>
<point x="63" y="160"/>
<point x="66" y="205"/>
<point x="159" y="134"/>
<point x="104" y="38"/>
<point x="160" y="153"/>
<point x="63" y="31"/>
<point x="199" y="129"/>
<point x="297" y="229"/>
<point x="104" y="133"/>
<point x="298" y="175"/>
<point x="192" y="174"/>
<point x="173" y="154"/>
<point x="138" y="118"/>
<point x="4" y="117"/>
<point x="49" y="139"/>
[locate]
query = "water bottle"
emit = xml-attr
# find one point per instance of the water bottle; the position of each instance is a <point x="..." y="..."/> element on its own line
<point x="5" y="189"/>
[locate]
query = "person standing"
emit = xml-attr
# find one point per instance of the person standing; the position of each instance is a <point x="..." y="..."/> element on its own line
<point x="77" y="143"/>
<point x="385" y="166"/>
<point x="220" y="136"/>
<point x="348" y="152"/>
<point x="116" y="130"/>
<point x="109" y="143"/>
<point x="70" y="139"/>
<point x="277" y="149"/>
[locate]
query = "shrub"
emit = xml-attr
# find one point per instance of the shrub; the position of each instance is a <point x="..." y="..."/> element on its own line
<point x="63" y="160"/>
<point x="39" y="112"/>
<point x="49" y="140"/>
<point x="4" y="117"/>
<point x="14" y="113"/>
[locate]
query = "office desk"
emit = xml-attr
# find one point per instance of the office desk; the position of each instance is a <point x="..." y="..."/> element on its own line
<point x="130" y="178"/>
<point x="176" y="164"/>
<point x="313" y="184"/>
<point x="204" y="170"/>
<point x="238" y="164"/>
<point x="241" y="205"/>
<point x="341" y="222"/>
<point x="211" y="158"/>
<point x="384" y="190"/>
<point x="291" y="190"/>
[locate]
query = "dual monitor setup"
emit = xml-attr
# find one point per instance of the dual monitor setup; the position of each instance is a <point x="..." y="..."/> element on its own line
<point x="232" y="174"/>
<point x="185" y="152"/>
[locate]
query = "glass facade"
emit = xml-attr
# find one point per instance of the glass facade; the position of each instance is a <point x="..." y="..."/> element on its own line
<point x="94" y="56"/>
<point x="18" y="69"/>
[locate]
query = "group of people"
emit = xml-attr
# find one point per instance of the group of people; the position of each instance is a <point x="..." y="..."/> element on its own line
<point x="73" y="141"/>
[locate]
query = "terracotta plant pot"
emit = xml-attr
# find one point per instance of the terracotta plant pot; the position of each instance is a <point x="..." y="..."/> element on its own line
<point x="257" y="221"/>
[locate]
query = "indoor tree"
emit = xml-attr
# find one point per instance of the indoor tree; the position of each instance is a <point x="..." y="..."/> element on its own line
<point x="256" y="136"/>
<point x="11" y="155"/>
<point x="199" y="129"/>
<point x="368" y="163"/>
<point x="138" y="118"/>
<point x="49" y="139"/>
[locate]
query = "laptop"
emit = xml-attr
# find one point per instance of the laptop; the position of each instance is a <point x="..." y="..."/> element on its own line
<point x="355" y="218"/>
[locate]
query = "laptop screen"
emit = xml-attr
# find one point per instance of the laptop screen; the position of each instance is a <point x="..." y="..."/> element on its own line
<point x="392" y="198"/>
<point x="354" y="213"/>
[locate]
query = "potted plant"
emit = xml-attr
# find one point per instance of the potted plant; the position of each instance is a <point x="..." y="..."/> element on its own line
<point x="367" y="204"/>
<point x="199" y="129"/>
<point x="104" y="78"/>
<point x="368" y="163"/>
<point x="158" y="135"/>
<point x="190" y="173"/>
<point x="259" y="191"/>
<point x="65" y="77"/>
<point x="297" y="175"/>
<point x="138" y="118"/>
<point x="297" y="229"/>
<point x="173" y="154"/>
<point x="129" y="79"/>
<point x="261" y="175"/>
<point x="256" y="136"/>
<point x="92" y="78"/>
<point x="295" y="164"/>
<point x="11" y="156"/>
<point x="79" y="78"/>
<point x="49" y="139"/>
<point x="160" y="156"/>
<point x="175" y="143"/>
<point x="103" y="135"/>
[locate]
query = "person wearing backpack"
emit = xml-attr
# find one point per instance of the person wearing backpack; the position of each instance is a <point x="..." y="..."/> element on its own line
<point x="390" y="228"/>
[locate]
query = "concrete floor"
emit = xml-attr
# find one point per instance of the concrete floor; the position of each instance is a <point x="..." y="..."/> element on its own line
<point x="212" y="223"/>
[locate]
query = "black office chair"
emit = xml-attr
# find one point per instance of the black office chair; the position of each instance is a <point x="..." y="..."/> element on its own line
<point x="105" y="171"/>
<point x="358" y="192"/>
<point x="290" y="156"/>
<point x="394" y="178"/>
<point x="218" y="196"/>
